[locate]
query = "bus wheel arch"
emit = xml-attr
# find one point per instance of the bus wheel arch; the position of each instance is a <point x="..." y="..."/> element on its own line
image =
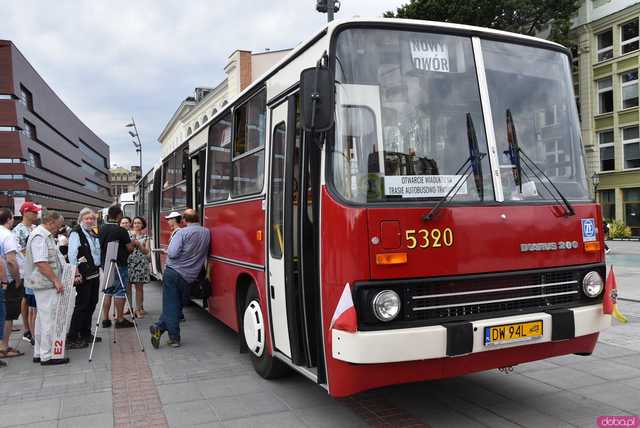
<point x="254" y="335"/>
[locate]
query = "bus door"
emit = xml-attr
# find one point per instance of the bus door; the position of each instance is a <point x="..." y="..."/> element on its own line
<point x="197" y="161"/>
<point x="156" y="190"/>
<point x="278" y="277"/>
<point x="291" y="305"/>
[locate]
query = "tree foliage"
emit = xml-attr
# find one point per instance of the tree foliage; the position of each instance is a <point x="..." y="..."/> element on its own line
<point x="519" y="16"/>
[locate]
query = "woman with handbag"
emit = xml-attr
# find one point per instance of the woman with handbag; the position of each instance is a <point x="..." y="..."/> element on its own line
<point x="139" y="263"/>
<point x="84" y="252"/>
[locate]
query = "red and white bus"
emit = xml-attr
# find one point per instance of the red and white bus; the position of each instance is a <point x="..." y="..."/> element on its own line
<point x="425" y="179"/>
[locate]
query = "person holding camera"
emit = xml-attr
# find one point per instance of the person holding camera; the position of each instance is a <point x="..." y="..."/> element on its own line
<point x="84" y="253"/>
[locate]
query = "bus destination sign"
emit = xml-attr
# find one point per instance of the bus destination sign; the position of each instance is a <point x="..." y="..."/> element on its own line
<point x="422" y="186"/>
<point x="430" y="55"/>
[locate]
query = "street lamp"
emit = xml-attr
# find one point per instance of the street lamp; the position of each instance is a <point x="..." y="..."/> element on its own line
<point x="595" y="179"/>
<point x="329" y="7"/>
<point x="136" y="144"/>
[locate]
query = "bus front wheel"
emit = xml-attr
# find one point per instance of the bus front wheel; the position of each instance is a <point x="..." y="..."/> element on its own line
<point x="254" y="332"/>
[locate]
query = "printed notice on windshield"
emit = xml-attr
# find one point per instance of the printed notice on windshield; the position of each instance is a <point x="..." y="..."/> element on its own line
<point x="422" y="186"/>
<point x="429" y="55"/>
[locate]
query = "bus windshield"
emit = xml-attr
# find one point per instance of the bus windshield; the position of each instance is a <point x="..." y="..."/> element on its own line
<point x="403" y="100"/>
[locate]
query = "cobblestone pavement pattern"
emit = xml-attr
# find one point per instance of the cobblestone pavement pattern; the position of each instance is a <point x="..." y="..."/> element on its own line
<point x="208" y="383"/>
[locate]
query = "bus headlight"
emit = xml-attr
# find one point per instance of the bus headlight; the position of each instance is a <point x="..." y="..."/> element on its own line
<point x="386" y="305"/>
<point x="592" y="284"/>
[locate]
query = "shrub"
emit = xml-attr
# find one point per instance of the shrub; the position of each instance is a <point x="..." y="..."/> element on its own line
<point x="617" y="229"/>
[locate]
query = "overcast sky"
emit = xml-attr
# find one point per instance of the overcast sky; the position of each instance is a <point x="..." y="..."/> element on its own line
<point x="112" y="60"/>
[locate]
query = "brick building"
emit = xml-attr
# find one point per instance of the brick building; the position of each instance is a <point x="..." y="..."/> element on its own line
<point x="47" y="155"/>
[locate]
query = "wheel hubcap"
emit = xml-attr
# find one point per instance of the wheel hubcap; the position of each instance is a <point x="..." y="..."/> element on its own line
<point x="254" y="328"/>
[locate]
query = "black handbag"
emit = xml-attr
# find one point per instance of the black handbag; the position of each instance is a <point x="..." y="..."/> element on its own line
<point x="200" y="288"/>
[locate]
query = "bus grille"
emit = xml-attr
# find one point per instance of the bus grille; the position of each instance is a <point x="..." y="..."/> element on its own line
<point x="463" y="298"/>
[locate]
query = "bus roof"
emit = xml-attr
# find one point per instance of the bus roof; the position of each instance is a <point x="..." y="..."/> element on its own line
<point x="335" y="25"/>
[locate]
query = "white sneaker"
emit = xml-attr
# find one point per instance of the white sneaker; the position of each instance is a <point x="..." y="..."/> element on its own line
<point x="607" y="251"/>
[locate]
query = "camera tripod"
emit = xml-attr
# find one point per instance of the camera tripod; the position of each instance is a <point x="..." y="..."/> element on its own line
<point x="107" y="287"/>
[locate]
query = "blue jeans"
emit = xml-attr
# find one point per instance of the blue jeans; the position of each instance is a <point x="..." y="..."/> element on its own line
<point x="3" y="313"/>
<point x="115" y="289"/>
<point x="173" y="286"/>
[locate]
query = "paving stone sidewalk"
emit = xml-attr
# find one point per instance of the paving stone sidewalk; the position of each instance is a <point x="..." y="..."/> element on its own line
<point x="208" y="383"/>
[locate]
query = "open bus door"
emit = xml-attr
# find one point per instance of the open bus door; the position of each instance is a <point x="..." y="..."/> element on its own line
<point x="155" y="220"/>
<point x="292" y="258"/>
<point x="197" y="162"/>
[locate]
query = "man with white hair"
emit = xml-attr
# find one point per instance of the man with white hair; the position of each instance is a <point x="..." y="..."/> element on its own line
<point x="84" y="253"/>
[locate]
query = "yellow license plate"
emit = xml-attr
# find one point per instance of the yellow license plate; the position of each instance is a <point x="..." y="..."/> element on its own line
<point x="509" y="333"/>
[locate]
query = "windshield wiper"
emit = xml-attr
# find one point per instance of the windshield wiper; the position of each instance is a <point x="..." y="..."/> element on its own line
<point x="473" y="162"/>
<point x="514" y="153"/>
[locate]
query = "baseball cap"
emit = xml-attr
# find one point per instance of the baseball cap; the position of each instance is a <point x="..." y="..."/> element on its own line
<point x="29" y="207"/>
<point x="173" y="214"/>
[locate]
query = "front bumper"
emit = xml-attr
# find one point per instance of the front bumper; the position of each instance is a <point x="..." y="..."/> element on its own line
<point x="422" y="343"/>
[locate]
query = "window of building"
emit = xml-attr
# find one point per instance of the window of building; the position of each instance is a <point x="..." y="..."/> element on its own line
<point x="197" y="125"/>
<point x="26" y="98"/>
<point x="629" y="36"/>
<point x="34" y="159"/>
<point x="631" y="144"/>
<point x="92" y="155"/>
<point x="605" y="45"/>
<point x="92" y="171"/>
<point x="30" y="130"/>
<point x="605" y="95"/>
<point x="629" y="88"/>
<point x="204" y="118"/>
<point x="608" y="204"/>
<point x="248" y="146"/>
<point x="631" y="202"/>
<point x="219" y="160"/>
<point x="189" y="131"/>
<point x="605" y="142"/>
<point x="574" y="59"/>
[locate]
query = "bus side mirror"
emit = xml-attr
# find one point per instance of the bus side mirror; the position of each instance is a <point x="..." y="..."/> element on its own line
<point x="317" y="99"/>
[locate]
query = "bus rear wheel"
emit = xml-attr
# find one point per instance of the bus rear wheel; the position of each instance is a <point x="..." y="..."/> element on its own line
<point x="254" y="336"/>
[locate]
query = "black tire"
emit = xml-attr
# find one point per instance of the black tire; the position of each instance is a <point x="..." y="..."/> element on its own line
<point x="265" y="365"/>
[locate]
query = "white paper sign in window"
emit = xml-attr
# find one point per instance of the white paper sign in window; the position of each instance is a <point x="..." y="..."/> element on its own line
<point x="430" y="55"/>
<point x="422" y="186"/>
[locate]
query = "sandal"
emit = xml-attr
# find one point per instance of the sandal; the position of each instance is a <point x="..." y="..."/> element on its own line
<point x="139" y="313"/>
<point x="10" y="353"/>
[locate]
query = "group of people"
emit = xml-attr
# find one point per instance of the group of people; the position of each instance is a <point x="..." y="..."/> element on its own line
<point x="32" y="259"/>
<point x="34" y="252"/>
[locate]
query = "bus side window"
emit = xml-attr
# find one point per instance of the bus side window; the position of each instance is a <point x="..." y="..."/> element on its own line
<point x="248" y="150"/>
<point x="219" y="160"/>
